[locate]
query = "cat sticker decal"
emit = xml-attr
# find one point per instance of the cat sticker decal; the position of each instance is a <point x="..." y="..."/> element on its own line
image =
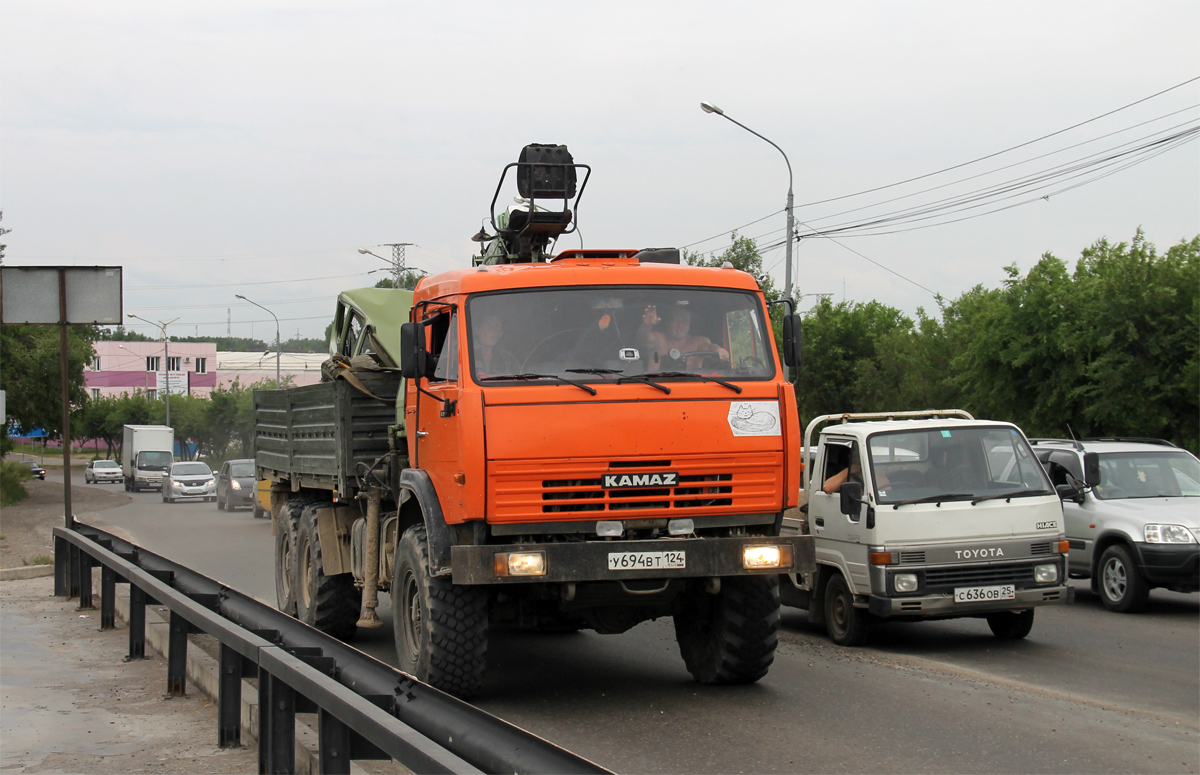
<point x="754" y="418"/>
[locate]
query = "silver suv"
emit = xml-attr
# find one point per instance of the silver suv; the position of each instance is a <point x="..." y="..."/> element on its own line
<point x="1137" y="527"/>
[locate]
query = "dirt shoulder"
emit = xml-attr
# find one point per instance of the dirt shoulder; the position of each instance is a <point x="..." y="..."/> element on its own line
<point x="25" y="527"/>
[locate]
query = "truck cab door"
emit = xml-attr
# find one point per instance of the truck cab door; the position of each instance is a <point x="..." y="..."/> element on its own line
<point x="437" y="442"/>
<point x="840" y="538"/>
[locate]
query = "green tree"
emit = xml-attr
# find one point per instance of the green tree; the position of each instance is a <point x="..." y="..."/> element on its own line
<point x="854" y="355"/>
<point x="1136" y="337"/>
<point x="31" y="373"/>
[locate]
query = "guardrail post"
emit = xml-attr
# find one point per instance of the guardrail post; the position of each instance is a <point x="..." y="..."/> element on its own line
<point x="85" y="580"/>
<point x="333" y="744"/>
<point x="62" y="566"/>
<point x="137" y="622"/>
<point x="108" y="598"/>
<point x="74" y="583"/>
<point x="229" y="699"/>
<point x="177" y="657"/>
<point x="277" y="712"/>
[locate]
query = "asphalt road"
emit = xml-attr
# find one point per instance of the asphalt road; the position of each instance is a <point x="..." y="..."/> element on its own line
<point x="1088" y="691"/>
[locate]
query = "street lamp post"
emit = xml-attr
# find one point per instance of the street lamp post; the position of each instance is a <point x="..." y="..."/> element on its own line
<point x="166" y="358"/>
<point x="708" y="107"/>
<point x="278" y="341"/>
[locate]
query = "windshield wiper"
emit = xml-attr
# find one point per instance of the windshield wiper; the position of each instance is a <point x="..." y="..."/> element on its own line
<point x="644" y="378"/>
<point x="530" y="376"/>
<point x="691" y="375"/>
<point x="1008" y="495"/>
<point x="946" y="496"/>
<point x="593" y="371"/>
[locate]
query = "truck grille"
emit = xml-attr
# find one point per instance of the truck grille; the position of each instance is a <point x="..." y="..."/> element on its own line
<point x="977" y="575"/>
<point x="574" y="489"/>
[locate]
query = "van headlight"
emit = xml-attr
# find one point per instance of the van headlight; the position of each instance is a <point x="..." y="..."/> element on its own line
<point x="905" y="582"/>
<point x="1168" y="534"/>
<point x="235" y="484"/>
<point x="175" y="483"/>
<point x="1045" y="574"/>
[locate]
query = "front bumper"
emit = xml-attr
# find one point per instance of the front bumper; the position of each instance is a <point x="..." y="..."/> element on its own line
<point x="107" y="479"/>
<point x="1175" y="565"/>
<point x="940" y="606"/>
<point x="588" y="560"/>
<point x="191" y="493"/>
<point x="242" y="497"/>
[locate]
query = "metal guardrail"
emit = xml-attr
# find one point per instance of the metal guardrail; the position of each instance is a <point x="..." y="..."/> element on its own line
<point x="365" y="708"/>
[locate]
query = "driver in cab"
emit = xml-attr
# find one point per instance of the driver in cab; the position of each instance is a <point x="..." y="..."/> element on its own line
<point x="676" y="340"/>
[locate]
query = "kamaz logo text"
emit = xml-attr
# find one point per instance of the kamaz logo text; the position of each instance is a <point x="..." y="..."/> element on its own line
<point x="620" y="481"/>
<point x="976" y="554"/>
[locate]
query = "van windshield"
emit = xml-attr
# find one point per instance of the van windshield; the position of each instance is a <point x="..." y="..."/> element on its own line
<point x="242" y="469"/>
<point x="602" y="333"/>
<point x="1148" y="475"/>
<point x="154" y="461"/>
<point x="961" y="463"/>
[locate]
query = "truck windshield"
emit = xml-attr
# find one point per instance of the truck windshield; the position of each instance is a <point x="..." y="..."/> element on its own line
<point x="1148" y="475"/>
<point x="597" y="334"/>
<point x="967" y="463"/>
<point x="154" y="461"/>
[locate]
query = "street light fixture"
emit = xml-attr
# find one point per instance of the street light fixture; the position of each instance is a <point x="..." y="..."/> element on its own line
<point x="166" y="358"/>
<point x="278" y="340"/>
<point x="708" y="107"/>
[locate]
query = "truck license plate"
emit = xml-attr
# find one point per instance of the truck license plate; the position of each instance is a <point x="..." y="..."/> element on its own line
<point x="647" y="560"/>
<point x="984" y="594"/>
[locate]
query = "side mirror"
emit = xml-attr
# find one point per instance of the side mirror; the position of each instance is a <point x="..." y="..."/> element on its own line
<point x="413" y="355"/>
<point x="1069" y="492"/>
<point x="851" y="499"/>
<point x="1091" y="469"/>
<point x="791" y="340"/>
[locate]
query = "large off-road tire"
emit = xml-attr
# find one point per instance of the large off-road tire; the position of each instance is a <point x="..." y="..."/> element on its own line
<point x="1007" y="625"/>
<point x="1122" y="587"/>
<point x="846" y="625"/>
<point x="285" y="554"/>
<point x="329" y="603"/>
<point x="441" y="630"/>
<point x="730" y="637"/>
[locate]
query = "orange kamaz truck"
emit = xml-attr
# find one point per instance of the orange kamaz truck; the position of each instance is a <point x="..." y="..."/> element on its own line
<point x="582" y="440"/>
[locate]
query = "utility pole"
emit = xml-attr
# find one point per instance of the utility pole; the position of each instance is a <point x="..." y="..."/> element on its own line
<point x="399" y="269"/>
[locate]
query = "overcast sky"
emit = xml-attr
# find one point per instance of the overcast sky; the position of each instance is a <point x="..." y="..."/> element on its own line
<point x="214" y="148"/>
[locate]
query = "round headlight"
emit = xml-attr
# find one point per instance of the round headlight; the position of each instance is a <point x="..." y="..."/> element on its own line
<point x="905" y="582"/>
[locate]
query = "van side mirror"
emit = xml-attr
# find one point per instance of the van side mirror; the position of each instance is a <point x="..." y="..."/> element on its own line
<point x="851" y="499"/>
<point x="791" y="340"/>
<point x="1091" y="469"/>
<point x="413" y="355"/>
<point x="1068" y="492"/>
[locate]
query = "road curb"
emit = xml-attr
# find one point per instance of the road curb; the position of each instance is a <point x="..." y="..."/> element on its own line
<point x="26" y="572"/>
<point x="203" y="671"/>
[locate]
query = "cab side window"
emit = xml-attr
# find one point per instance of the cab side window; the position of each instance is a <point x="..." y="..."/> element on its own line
<point x="443" y="346"/>
<point x="354" y="329"/>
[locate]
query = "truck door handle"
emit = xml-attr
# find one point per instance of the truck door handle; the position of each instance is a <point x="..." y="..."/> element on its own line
<point x="422" y="434"/>
<point x="820" y="521"/>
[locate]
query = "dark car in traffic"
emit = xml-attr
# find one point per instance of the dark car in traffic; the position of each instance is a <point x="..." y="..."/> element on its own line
<point x="236" y="485"/>
<point x="35" y="470"/>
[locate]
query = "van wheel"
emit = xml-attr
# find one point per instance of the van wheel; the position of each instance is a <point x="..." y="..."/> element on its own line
<point x="1008" y="625"/>
<point x="1122" y="588"/>
<point x="329" y="603"/>
<point x="846" y="625"/>
<point x="730" y="637"/>
<point x="441" y="629"/>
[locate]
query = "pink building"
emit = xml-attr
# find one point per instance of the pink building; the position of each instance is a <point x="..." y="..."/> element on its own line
<point x="119" y="368"/>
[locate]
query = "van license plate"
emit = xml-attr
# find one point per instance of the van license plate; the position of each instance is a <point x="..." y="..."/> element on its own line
<point x="984" y="594"/>
<point x="647" y="560"/>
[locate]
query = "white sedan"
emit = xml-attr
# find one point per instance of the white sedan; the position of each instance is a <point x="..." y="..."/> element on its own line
<point x="98" y="471"/>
